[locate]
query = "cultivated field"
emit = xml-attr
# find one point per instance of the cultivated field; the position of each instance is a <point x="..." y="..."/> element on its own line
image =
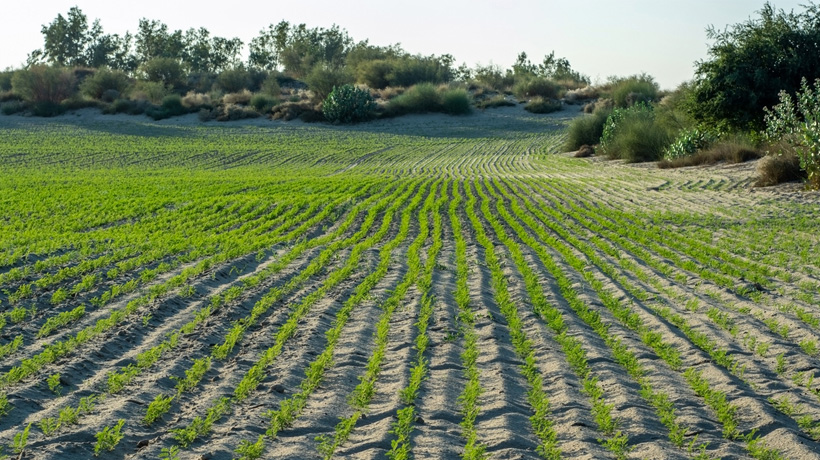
<point x="427" y="287"/>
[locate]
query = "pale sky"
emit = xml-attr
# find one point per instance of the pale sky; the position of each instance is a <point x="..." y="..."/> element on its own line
<point x="599" y="37"/>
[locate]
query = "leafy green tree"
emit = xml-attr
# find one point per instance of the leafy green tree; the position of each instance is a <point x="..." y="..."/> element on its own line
<point x="66" y="39"/>
<point x="751" y="62"/>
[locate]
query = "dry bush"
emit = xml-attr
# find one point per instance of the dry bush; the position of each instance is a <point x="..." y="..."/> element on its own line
<point x="292" y="110"/>
<point x="388" y="93"/>
<point x="776" y="169"/>
<point x="242" y="97"/>
<point x="499" y="100"/>
<point x="600" y="104"/>
<point x="192" y="100"/>
<point x="581" y="94"/>
<point x="733" y="150"/>
<point x="584" y="151"/>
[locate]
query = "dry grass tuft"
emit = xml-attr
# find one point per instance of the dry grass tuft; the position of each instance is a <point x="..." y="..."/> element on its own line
<point x="192" y="100"/>
<point x="726" y="151"/>
<point x="584" y="152"/>
<point x="777" y="169"/>
<point x="243" y="97"/>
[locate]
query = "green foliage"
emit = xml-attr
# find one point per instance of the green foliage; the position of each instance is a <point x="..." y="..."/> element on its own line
<point x="632" y="134"/>
<point x="494" y="77"/>
<point x="456" y="102"/>
<point x="108" y="438"/>
<point x="632" y="90"/>
<point x="751" y="62"/>
<point x="270" y="86"/>
<point x="105" y="80"/>
<point x="348" y="104"/>
<point x="53" y="382"/>
<point x="536" y="87"/>
<point x="233" y="80"/>
<point x="322" y="79"/>
<point x="688" y="142"/>
<point x="171" y="107"/>
<point x="586" y="130"/>
<point x="159" y="406"/>
<point x="43" y="85"/>
<point x="542" y="105"/>
<point x="262" y="103"/>
<point x="20" y="440"/>
<point x="799" y="125"/>
<point x="164" y="70"/>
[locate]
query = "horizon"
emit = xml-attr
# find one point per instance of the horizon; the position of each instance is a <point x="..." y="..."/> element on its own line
<point x="605" y="44"/>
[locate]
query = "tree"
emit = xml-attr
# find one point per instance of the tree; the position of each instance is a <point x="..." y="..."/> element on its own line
<point x="66" y="39"/>
<point x="751" y="62"/>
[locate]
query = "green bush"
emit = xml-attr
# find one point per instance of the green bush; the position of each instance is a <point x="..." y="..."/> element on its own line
<point x="233" y="80"/>
<point x="43" y="85"/>
<point x="751" y="62"/>
<point x="634" y="135"/>
<point x="150" y="91"/>
<point x="798" y="123"/>
<point x="456" y="102"/>
<point x="496" y="101"/>
<point x="420" y="98"/>
<point x="262" y="103"/>
<point x="348" y="104"/>
<point x="629" y="91"/>
<point x="536" y="87"/>
<point x="171" y="107"/>
<point x="5" y="80"/>
<point x="270" y="86"/>
<point x="321" y="80"/>
<point x="105" y="80"/>
<point x="586" y="130"/>
<point x="12" y="107"/>
<point x="688" y="142"/>
<point x="166" y="71"/>
<point x="542" y="105"/>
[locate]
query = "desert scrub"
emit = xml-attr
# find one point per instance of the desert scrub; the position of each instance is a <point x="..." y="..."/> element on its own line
<point x="632" y="134"/>
<point x="688" y="142"/>
<point x="542" y="105"/>
<point x="586" y="130"/>
<point x="536" y="87"/>
<point x="797" y="121"/>
<point x="348" y="104"/>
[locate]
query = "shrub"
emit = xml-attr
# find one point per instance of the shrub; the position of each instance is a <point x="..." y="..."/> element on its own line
<point x="262" y="103"/>
<point x="584" y="151"/>
<point x="750" y="62"/>
<point x="171" y="107"/>
<point x="233" y="112"/>
<point x="799" y="126"/>
<point x="150" y="91"/>
<point x="586" y="130"/>
<point x="167" y="71"/>
<point x="581" y="94"/>
<point x="492" y="76"/>
<point x="243" y="97"/>
<point x="5" y="80"/>
<point x="775" y="169"/>
<point x="495" y="101"/>
<point x="626" y="92"/>
<point x="302" y="110"/>
<point x="105" y="80"/>
<point x="43" y="85"/>
<point x="688" y="142"/>
<point x="420" y="98"/>
<point x="270" y="86"/>
<point x="321" y="80"/>
<point x="733" y="150"/>
<point x="632" y="134"/>
<point x="234" y="80"/>
<point x="194" y="100"/>
<point x="456" y="102"/>
<point x="348" y="104"/>
<point x="542" y="105"/>
<point x="374" y="73"/>
<point x="12" y="107"/>
<point x="536" y="87"/>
